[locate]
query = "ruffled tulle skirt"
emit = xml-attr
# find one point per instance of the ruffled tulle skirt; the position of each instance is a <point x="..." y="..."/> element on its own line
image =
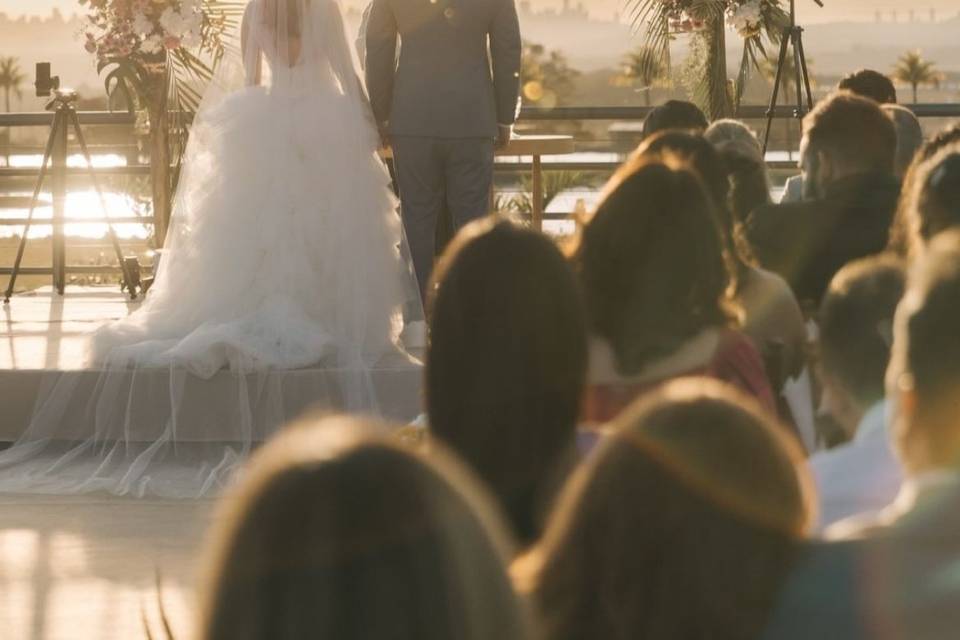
<point x="283" y="285"/>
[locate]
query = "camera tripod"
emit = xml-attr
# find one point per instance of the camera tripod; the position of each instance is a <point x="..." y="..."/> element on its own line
<point x="64" y="117"/>
<point x="792" y="37"/>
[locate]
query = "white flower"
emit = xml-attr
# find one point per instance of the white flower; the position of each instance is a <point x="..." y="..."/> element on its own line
<point x="173" y="23"/>
<point x="142" y="24"/>
<point x="153" y="44"/>
<point x="190" y="6"/>
<point x="745" y="17"/>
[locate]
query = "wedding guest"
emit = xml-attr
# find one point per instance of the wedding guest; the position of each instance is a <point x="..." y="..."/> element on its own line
<point x="336" y="532"/>
<point x="909" y="136"/>
<point x="933" y="203"/>
<point x="856" y="331"/>
<point x="506" y="365"/>
<point x="900" y="236"/>
<point x="847" y="151"/>
<point x="870" y="84"/>
<point x="657" y="285"/>
<point x="924" y="380"/>
<point x="768" y="311"/>
<point x="730" y="132"/>
<point x="674" y="114"/>
<point x="741" y="152"/>
<point x="683" y="525"/>
<point x="894" y="574"/>
<point x="865" y="83"/>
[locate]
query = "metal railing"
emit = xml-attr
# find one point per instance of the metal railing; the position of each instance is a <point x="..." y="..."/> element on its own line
<point x="528" y="115"/>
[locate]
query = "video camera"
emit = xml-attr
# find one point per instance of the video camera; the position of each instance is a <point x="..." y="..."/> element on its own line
<point x="46" y="84"/>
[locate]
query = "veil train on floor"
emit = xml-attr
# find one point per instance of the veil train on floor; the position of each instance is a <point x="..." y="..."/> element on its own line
<point x="282" y="284"/>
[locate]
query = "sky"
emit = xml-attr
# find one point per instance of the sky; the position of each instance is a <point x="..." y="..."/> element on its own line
<point x="807" y="10"/>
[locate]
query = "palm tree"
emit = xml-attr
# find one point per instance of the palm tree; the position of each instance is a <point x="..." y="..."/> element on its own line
<point x="644" y="66"/>
<point x="912" y="69"/>
<point x="11" y="78"/>
<point x="705" y="71"/>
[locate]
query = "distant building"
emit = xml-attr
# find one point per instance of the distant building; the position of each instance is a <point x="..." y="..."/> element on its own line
<point x="568" y="13"/>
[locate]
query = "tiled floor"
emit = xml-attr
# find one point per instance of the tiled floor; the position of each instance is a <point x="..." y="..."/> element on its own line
<point x="85" y="567"/>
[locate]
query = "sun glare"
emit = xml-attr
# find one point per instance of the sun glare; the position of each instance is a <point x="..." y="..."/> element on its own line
<point x="81" y="203"/>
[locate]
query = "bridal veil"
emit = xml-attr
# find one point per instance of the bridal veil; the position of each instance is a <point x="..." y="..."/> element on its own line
<point x="284" y="284"/>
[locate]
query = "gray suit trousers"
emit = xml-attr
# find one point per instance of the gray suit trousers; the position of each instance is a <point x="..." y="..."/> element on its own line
<point x="435" y="174"/>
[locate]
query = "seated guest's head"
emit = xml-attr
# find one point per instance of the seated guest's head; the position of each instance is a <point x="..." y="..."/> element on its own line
<point x="924" y="374"/>
<point x="338" y="533"/>
<point x="726" y="191"/>
<point x="909" y="136"/>
<point x="845" y="135"/>
<point x="933" y="203"/>
<point x="856" y="332"/>
<point x="507" y="363"/>
<point x="692" y="149"/>
<point x="674" y="114"/>
<point x="652" y="263"/>
<point x="901" y="240"/>
<point x="742" y="154"/>
<point x="735" y="135"/>
<point x="870" y="84"/>
<point x="684" y="524"/>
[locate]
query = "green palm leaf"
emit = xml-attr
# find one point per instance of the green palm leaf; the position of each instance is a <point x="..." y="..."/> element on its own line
<point x="706" y="71"/>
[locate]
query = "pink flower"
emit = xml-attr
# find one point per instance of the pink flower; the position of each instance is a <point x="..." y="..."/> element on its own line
<point x="90" y="46"/>
<point x="171" y="42"/>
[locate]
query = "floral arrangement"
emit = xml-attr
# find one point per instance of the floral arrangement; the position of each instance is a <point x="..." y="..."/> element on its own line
<point x="758" y="23"/>
<point x="159" y="54"/>
<point x="143" y="30"/>
<point x="681" y="17"/>
<point x="747" y="17"/>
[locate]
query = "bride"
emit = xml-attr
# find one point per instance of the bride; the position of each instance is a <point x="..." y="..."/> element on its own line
<point x="282" y="254"/>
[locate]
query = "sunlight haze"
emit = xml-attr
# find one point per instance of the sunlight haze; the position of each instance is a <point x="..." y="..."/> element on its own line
<point x="861" y="10"/>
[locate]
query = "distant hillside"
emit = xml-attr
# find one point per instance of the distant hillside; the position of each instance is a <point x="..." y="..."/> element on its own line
<point x="590" y="45"/>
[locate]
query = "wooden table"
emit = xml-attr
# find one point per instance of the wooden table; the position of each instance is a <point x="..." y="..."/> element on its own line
<point x="535" y="147"/>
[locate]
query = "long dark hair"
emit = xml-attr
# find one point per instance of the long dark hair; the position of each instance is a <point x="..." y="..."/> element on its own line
<point x="339" y="533"/>
<point x="716" y="173"/>
<point x="683" y="525"/>
<point x="506" y="365"/>
<point x="652" y="262"/>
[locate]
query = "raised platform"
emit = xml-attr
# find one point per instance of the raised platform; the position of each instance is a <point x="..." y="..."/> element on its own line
<point x="42" y="335"/>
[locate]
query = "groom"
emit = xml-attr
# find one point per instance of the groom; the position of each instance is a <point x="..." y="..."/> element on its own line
<point x="445" y="104"/>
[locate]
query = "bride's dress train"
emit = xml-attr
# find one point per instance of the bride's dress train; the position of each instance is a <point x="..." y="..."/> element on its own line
<point x="283" y="253"/>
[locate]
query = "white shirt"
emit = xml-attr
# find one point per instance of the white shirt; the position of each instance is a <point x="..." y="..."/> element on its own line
<point x="859" y="477"/>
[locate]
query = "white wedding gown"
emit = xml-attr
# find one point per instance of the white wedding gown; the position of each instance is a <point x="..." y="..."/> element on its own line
<point x="283" y="253"/>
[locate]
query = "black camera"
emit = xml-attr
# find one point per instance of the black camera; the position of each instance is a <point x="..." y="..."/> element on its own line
<point x="45" y="84"/>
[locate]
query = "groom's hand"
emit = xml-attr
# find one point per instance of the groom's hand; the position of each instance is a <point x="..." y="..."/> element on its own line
<point x="504" y="136"/>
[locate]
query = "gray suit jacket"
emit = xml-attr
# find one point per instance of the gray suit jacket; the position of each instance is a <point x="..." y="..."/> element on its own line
<point x="458" y="73"/>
